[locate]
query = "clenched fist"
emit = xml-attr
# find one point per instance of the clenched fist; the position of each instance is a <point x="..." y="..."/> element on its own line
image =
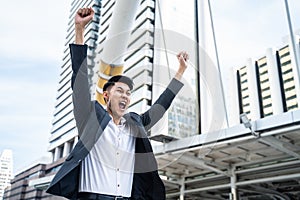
<point x="182" y="59"/>
<point x="82" y="18"/>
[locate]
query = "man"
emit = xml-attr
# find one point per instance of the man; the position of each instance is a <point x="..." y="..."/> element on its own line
<point x="113" y="158"/>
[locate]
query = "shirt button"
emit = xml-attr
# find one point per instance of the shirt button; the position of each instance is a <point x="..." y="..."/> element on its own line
<point x="118" y="169"/>
<point x="117" y="153"/>
<point x="118" y="185"/>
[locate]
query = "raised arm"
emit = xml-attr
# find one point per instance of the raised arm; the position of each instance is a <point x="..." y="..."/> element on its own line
<point x="82" y="18"/>
<point x="79" y="50"/>
<point x="82" y="104"/>
<point x="162" y="104"/>
<point x="182" y="59"/>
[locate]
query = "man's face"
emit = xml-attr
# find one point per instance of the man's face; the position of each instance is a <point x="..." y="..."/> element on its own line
<point x="118" y="99"/>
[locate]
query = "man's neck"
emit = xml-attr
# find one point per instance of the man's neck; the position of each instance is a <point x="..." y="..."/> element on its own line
<point x="116" y="119"/>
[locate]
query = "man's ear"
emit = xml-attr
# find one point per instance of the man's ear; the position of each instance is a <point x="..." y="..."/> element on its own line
<point x="105" y="96"/>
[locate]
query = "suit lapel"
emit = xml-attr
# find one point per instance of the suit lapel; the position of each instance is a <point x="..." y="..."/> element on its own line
<point x="142" y="142"/>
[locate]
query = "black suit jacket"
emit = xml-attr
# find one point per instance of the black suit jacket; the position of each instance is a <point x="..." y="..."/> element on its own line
<point x="91" y="119"/>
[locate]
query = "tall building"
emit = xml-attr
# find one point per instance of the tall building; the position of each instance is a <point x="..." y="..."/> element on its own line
<point x="243" y="88"/>
<point x="6" y="170"/>
<point x="287" y="78"/>
<point x="161" y="29"/>
<point x="263" y="87"/>
<point x="151" y="60"/>
<point x="64" y="133"/>
<point x="268" y="86"/>
<point x="29" y="183"/>
<point x="148" y="59"/>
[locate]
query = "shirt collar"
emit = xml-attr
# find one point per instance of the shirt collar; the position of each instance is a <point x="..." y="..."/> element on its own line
<point x="122" y="120"/>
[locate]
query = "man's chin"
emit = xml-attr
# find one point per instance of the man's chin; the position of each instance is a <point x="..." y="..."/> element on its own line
<point x="121" y="113"/>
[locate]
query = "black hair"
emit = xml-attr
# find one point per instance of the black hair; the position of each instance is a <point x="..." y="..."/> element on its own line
<point x="119" y="78"/>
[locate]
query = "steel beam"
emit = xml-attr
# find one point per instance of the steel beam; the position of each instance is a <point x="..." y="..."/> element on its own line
<point x="233" y="184"/>
<point x="242" y="183"/>
<point x="199" y="162"/>
<point x="277" y="144"/>
<point x="182" y="188"/>
<point x="200" y="141"/>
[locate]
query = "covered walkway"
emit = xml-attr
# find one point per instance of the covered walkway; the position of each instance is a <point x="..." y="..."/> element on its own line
<point x="234" y="164"/>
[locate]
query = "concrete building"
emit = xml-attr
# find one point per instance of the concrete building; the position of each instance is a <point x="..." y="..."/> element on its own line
<point x="287" y="77"/>
<point x="64" y="133"/>
<point x="146" y="65"/>
<point x="150" y="60"/>
<point x="267" y="86"/>
<point x="6" y="170"/>
<point x="29" y="183"/>
<point x="207" y="161"/>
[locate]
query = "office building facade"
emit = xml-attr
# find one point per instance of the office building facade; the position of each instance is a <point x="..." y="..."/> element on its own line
<point x="64" y="134"/>
<point x="267" y="86"/>
<point x="287" y="78"/>
<point x="144" y="63"/>
<point x="161" y="29"/>
<point x="20" y="189"/>
<point x="151" y="60"/>
<point x="6" y="170"/>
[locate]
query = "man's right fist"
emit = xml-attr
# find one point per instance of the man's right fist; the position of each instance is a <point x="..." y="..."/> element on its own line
<point x="83" y="17"/>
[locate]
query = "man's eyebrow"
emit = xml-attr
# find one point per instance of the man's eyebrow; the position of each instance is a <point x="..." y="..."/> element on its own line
<point x="119" y="87"/>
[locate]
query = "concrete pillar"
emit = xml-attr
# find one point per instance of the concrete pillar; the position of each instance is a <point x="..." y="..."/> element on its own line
<point x="75" y="141"/>
<point x="119" y="31"/>
<point x="114" y="50"/>
<point x="234" y="195"/>
<point x="66" y="149"/>
<point x="294" y="48"/>
<point x="296" y="70"/>
<point x="232" y="96"/>
<point x="213" y="112"/>
<point x="182" y="188"/>
<point x="57" y="153"/>
<point x="276" y="96"/>
<point x="253" y="91"/>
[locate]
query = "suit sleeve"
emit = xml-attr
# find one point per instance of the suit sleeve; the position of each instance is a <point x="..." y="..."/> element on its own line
<point x="82" y="104"/>
<point x="162" y="104"/>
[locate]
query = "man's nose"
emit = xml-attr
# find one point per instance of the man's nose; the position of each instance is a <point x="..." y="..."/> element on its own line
<point x="125" y="96"/>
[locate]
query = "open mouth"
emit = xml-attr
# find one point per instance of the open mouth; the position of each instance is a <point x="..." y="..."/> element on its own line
<point x="122" y="105"/>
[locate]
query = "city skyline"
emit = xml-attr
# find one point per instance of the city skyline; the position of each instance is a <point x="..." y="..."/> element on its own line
<point x="26" y="122"/>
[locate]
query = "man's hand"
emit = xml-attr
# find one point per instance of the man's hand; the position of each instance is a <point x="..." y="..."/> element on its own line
<point x="82" y="18"/>
<point x="182" y="59"/>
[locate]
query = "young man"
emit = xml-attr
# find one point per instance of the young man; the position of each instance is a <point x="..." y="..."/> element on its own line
<point x="113" y="158"/>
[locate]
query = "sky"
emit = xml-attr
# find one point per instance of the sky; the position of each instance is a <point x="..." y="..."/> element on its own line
<point x="246" y="28"/>
<point x="32" y="38"/>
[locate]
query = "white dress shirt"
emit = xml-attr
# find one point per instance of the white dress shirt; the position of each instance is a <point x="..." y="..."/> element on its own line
<point x="108" y="168"/>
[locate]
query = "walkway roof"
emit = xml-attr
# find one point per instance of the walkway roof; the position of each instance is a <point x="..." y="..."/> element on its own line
<point x="208" y="166"/>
